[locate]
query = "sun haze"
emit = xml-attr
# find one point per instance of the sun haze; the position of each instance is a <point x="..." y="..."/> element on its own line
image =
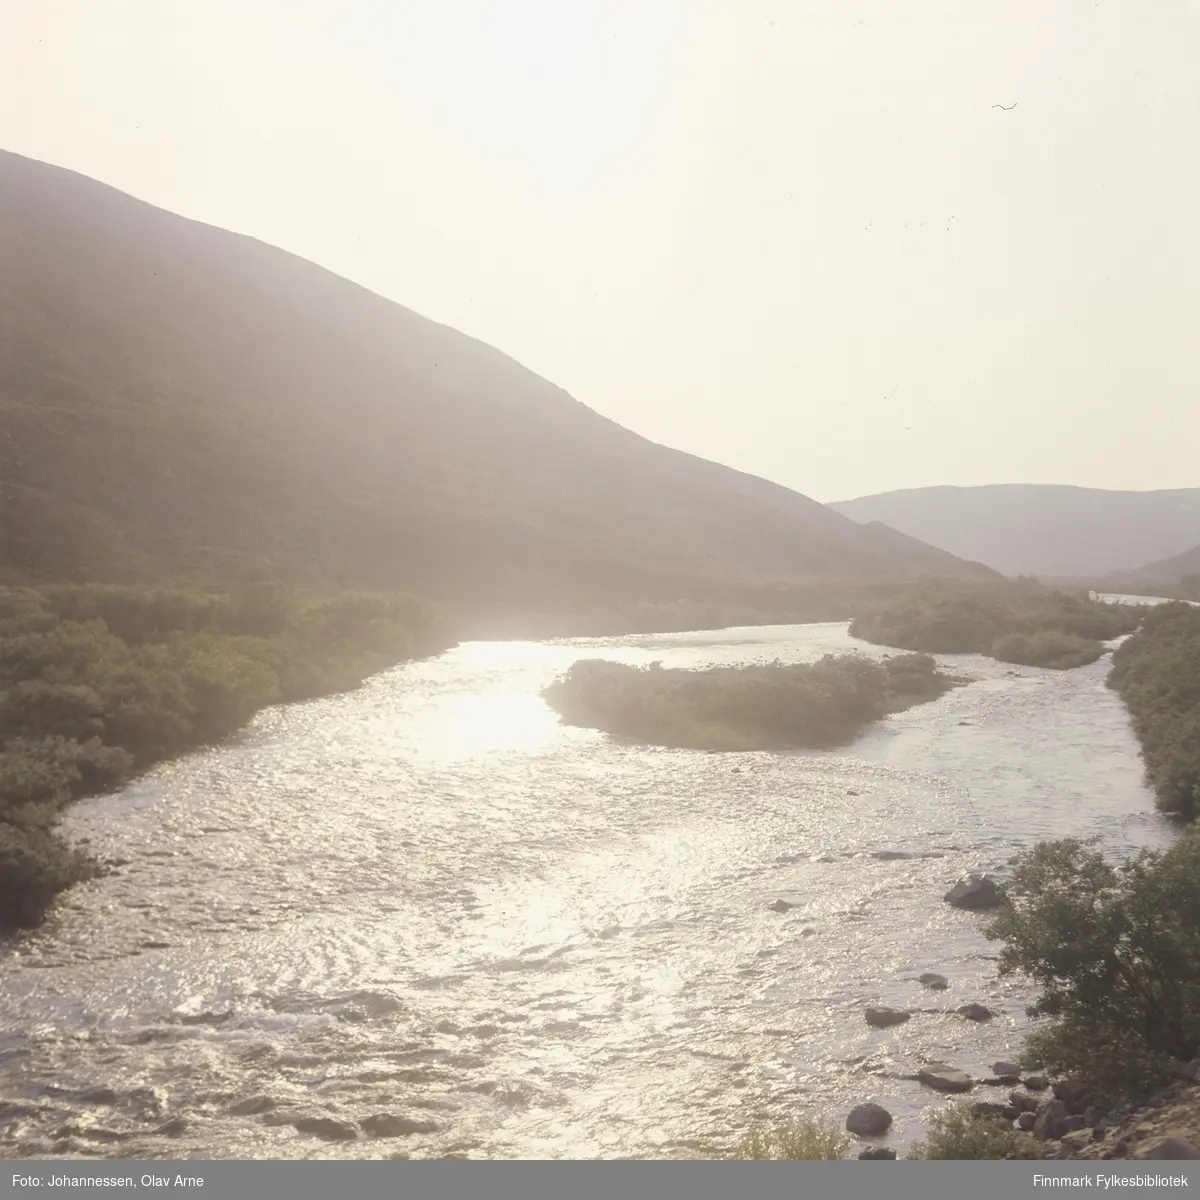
<point x="847" y="246"/>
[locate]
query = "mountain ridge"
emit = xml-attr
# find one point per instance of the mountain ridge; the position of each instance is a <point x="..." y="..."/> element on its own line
<point x="178" y="397"/>
<point x="1080" y="532"/>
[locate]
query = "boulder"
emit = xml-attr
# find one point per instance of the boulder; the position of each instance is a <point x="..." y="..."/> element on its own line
<point x="879" y="1016"/>
<point x="878" y="1153"/>
<point x="1027" y="1120"/>
<point x="1035" y="1083"/>
<point x="934" y="981"/>
<point x="1010" y="1112"/>
<point x="782" y="906"/>
<point x="391" y="1125"/>
<point x="328" y="1128"/>
<point x="944" y="1079"/>
<point x="976" y="1012"/>
<point x="975" y="892"/>
<point x="1168" y="1147"/>
<point x="868" y="1120"/>
<point x="1051" y="1120"/>
<point x="1006" y="1070"/>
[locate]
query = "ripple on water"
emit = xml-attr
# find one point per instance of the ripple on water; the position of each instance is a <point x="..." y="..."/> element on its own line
<point x="428" y="897"/>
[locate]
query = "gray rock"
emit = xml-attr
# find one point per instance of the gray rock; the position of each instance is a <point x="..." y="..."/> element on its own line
<point x="1168" y="1147"/>
<point x="942" y="1078"/>
<point x="878" y="1153"/>
<point x="328" y="1128"/>
<point x="1027" y="1120"/>
<point x="868" y="1120"/>
<point x="1006" y="1070"/>
<point x="881" y="1017"/>
<point x="1035" y="1083"/>
<point x="1010" y="1112"/>
<point x="782" y="906"/>
<point x="931" y="979"/>
<point x="976" y="892"/>
<point x="1051" y="1120"/>
<point x="976" y="1012"/>
<point x="390" y="1125"/>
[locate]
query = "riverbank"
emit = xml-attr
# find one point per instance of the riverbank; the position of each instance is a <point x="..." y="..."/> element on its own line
<point x="98" y="684"/>
<point x="428" y="898"/>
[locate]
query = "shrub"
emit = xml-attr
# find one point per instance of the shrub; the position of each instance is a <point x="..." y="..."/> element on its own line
<point x="1157" y="674"/>
<point x="1012" y="617"/>
<point x="793" y="1141"/>
<point x="1116" y="951"/>
<point x="1047" y="648"/>
<point x="35" y="865"/>
<point x="772" y="707"/>
<point x="955" y="1132"/>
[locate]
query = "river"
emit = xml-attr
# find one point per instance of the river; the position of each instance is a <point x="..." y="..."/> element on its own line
<point x="429" y="900"/>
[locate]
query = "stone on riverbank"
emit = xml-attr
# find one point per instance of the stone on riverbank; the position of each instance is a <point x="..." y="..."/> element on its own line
<point x="868" y="1120"/>
<point x="934" y="981"/>
<point x="976" y="1012"/>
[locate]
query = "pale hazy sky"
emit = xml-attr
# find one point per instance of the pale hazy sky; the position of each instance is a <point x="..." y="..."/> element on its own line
<point x="791" y="235"/>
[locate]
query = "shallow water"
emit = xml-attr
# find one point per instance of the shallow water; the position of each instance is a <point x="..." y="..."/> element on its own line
<point x="429" y="899"/>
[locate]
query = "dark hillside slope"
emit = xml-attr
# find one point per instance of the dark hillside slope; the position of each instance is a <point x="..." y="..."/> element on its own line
<point x="179" y="399"/>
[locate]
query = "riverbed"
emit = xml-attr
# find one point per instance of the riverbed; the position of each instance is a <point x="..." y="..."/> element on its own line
<point x="430" y="902"/>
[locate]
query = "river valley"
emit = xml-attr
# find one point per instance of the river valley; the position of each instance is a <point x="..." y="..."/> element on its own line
<point x="429" y="908"/>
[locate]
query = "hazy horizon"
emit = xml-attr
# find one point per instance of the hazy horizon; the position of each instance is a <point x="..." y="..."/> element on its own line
<point x="803" y="241"/>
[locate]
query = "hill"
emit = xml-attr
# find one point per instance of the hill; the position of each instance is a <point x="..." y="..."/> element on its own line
<point x="176" y="399"/>
<point x="1168" y="570"/>
<point x="1049" y="530"/>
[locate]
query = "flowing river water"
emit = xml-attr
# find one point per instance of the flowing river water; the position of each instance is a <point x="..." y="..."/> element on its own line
<point x="428" y="900"/>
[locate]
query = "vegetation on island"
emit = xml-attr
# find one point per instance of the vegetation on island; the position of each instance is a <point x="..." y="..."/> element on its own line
<point x="1157" y="674"/>
<point x="775" y="706"/>
<point x="98" y="683"/>
<point x="1022" y="623"/>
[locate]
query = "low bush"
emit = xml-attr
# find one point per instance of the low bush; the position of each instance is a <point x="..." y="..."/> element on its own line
<point x="772" y="707"/>
<point x="794" y="1141"/>
<point x="957" y="1133"/>
<point x="1015" y="618"/>
<point x="1157" y="674"/>
<point x="1116" y="952"/>
<point x="1047" y="648"/>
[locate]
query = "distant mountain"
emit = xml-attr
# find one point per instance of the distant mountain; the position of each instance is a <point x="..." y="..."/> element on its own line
<point x="176" y="399"/>
<point x="1048" y="530"/>
<point x="1168" y="570"/>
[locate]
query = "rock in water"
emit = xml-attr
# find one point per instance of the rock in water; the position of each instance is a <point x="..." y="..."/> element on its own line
<point x="944" y="1079"/>
<point x="391" y="1125"/>
<point x="976" y="1012"/>
<point x="782" y="906"/>
<point x="1006" y="1071"/>
<point x="976" y="892"/>
<point x="934" y="981"/>
<point x="868" y="1120"/>
<point x="880" y="1017"/>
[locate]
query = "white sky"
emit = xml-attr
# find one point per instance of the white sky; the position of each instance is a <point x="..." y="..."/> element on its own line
<point x="794" y="236"/>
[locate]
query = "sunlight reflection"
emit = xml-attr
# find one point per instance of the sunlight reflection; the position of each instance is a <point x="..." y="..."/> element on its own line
<point x="466" y="726"/>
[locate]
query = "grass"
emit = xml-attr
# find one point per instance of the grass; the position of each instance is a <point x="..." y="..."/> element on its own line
<point x="776" y="706"/>
<point x="956" y="1133"/>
